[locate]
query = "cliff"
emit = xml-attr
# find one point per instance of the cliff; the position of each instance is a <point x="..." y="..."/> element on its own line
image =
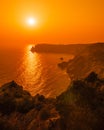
<point x="81" y="106"/>
<point x="21" y="111"/>
<point x="89" y="59"/>
<point x="58" y="48"/>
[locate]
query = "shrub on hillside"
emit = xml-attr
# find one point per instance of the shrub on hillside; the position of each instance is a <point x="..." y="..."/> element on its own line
<point x="44" y="114"/>
<point x="5" y="125"/>
<point x="7" y="104"/>
<point x="24" y="106"/>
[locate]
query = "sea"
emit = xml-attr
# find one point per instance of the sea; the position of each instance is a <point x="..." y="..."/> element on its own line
<point x="38" y="73"/>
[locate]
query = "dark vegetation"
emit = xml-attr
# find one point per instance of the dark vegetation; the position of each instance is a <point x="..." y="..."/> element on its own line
<point x="44" y="114"/>
<point x="14" y="98"/>
<point x="80" y="107"/>
<point x="5" y="125"/>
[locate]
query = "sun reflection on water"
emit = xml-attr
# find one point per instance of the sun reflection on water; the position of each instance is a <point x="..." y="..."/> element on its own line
<point x="38" y="73"/>
<point x="30" y="70"/>
<point x="31" y="60"/>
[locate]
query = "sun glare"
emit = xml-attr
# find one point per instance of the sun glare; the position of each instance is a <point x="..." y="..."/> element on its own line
<point x="31" y="21"/>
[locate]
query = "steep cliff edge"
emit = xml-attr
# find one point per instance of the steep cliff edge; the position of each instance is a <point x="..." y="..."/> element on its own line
<point x="81" y="106"/>
<point x="21" y="111"/>
<point x="89" y="59"/>
<point x="59" y="48"/>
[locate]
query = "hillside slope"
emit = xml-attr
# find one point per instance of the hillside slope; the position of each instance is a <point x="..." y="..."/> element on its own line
<point x="80" y="107"/>
<point x="91" y="58"/>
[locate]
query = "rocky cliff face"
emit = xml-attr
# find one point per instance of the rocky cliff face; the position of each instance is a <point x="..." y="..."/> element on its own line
<point x="91" y="58"/>
<point x="59" y="48"/>
<point x="20" y="111"/>
<point x="81" y="106"/>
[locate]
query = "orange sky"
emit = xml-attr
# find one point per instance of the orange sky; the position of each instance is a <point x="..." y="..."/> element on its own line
<point x="58" y="21"/>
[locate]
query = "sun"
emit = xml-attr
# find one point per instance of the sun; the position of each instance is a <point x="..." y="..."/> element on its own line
<point x="31" y="21"/>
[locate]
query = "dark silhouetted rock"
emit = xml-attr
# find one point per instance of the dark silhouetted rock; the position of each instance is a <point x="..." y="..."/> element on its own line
<point x="14" y="98"/>
<point x="80" y="107"/>
<point x="92" y="77"/>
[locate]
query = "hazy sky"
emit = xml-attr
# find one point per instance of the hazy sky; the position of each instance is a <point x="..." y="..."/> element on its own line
<point x="58" y="21"/>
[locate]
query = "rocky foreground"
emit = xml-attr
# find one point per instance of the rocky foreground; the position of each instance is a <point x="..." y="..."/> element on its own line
<point x="80" y="107"/>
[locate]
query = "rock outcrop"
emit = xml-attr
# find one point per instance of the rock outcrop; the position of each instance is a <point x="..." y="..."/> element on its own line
<point x="91" y="58"/>
<point x="21" y="111"/>
<point x="80" y="107"/>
